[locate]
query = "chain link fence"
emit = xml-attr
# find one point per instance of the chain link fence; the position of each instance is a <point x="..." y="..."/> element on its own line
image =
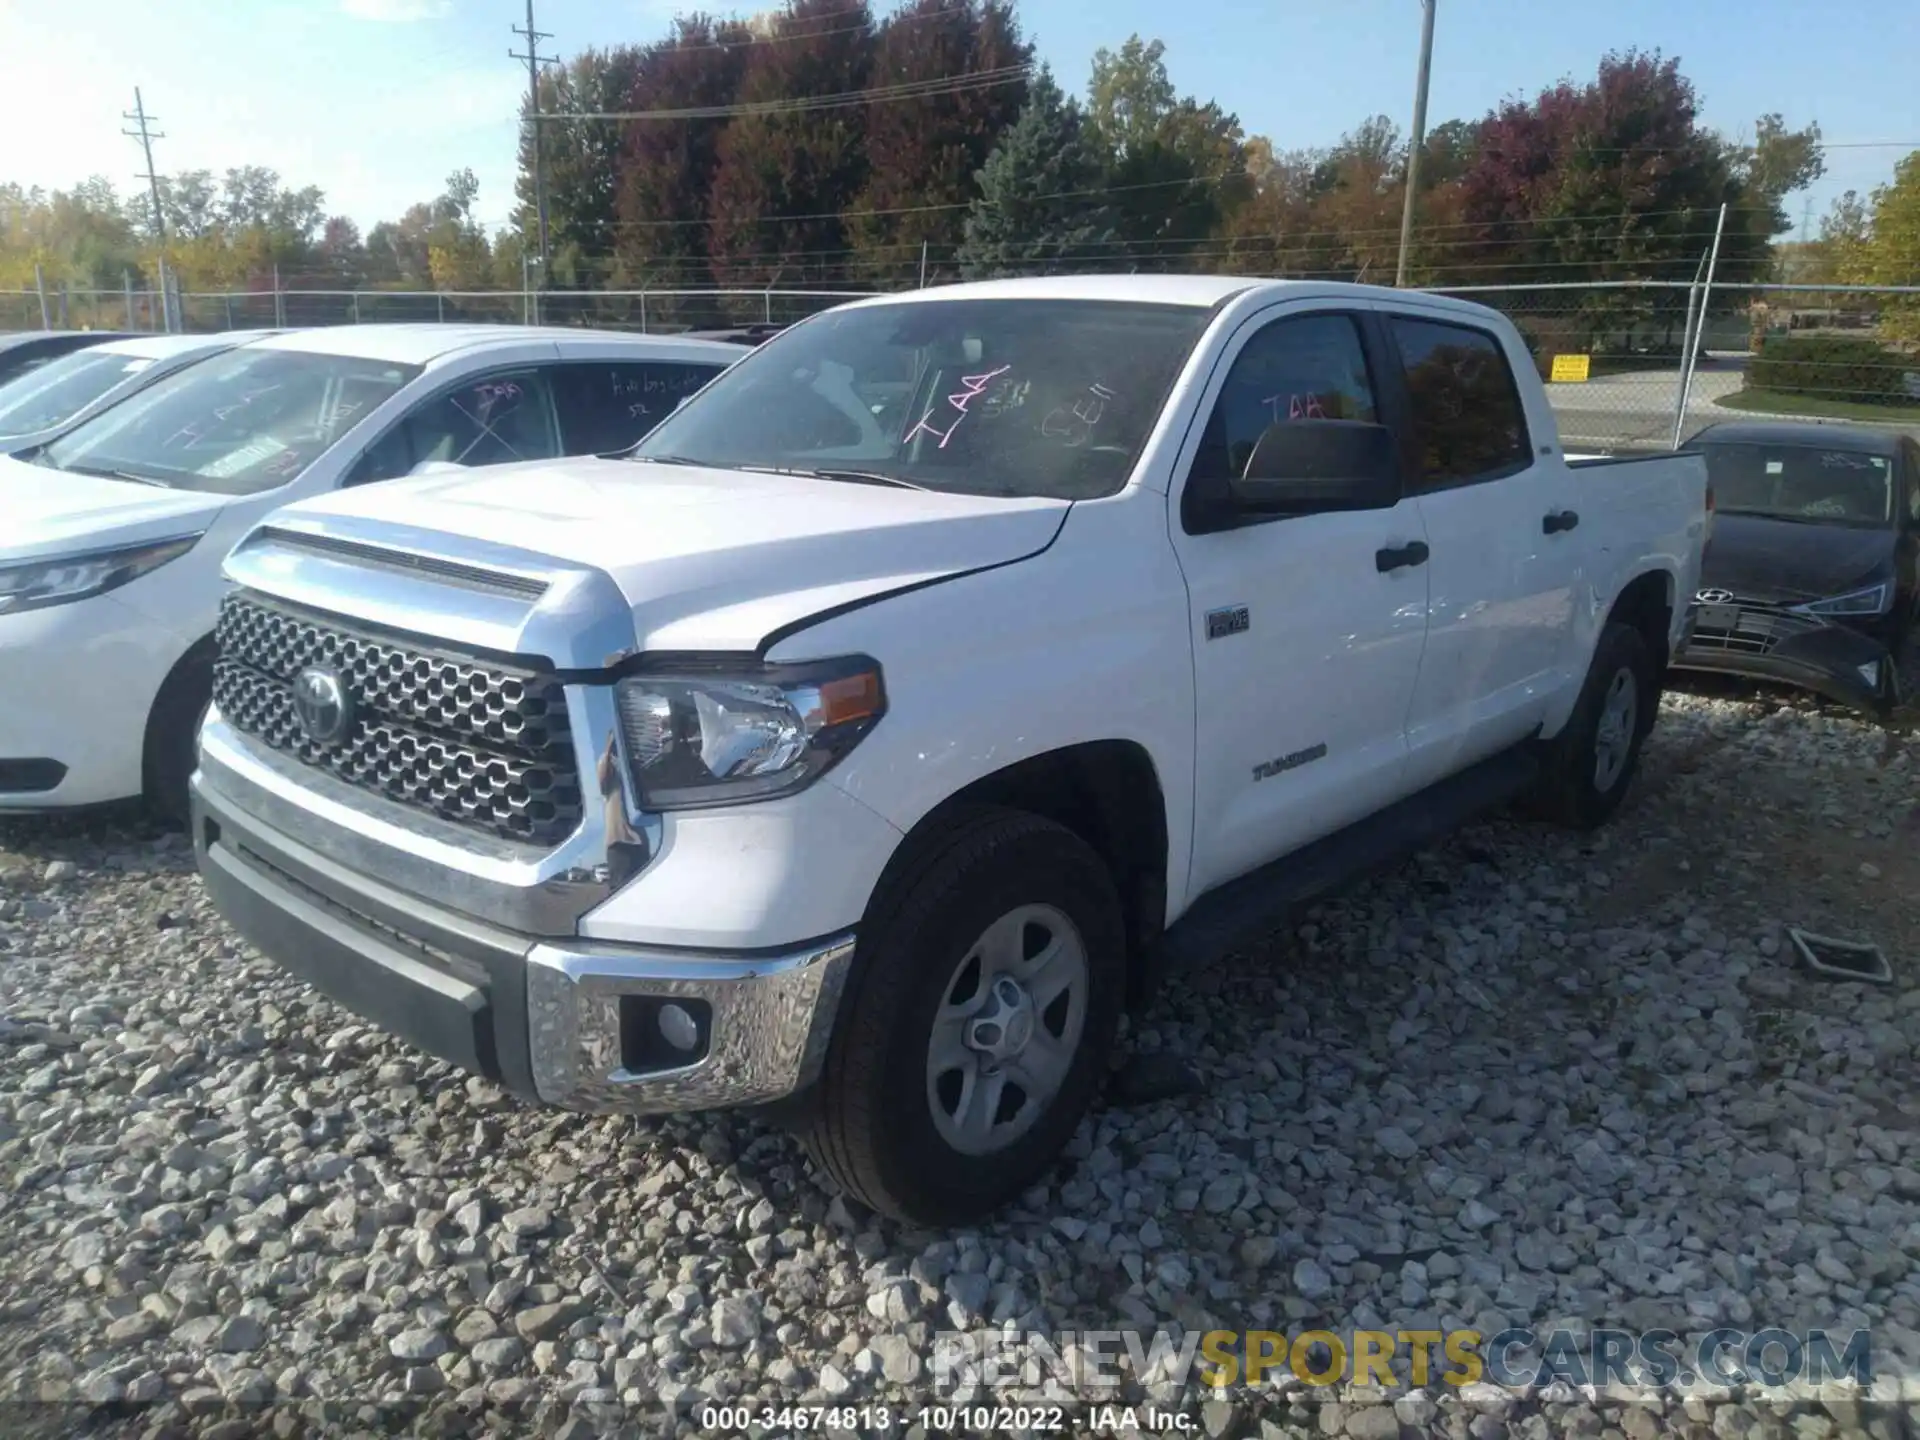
<point x="1631" y="366"/>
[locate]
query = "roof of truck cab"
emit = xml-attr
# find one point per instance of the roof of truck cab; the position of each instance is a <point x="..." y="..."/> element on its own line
<point x="426" y="341"/>
<point x="1198" y="291"/>
<point x="1869" y="439"/>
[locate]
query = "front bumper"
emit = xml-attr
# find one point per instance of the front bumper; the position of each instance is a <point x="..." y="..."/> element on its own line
<point x="77" y="682"/>
<point x="573" y="1024"/>
<point x="1832" y="660"/>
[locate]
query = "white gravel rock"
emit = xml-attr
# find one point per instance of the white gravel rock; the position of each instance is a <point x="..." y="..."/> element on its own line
<point x="1529" y="1077"/>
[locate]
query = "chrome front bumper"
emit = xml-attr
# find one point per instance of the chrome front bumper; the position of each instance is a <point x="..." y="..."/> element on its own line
<point x="573" y="1024"/>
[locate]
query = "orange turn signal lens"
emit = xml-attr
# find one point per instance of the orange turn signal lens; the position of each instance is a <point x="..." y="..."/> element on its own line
<point x="851" y="697"/>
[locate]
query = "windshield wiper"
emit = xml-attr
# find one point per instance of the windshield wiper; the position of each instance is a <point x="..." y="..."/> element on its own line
<point x="102" y="473"/>
<point x="854" y="477"/>
<point x="665" y="459"/>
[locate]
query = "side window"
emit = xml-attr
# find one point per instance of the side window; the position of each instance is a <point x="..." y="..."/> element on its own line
<point x="1466" y="412"/>
<point x="607" y="405"/>
<point x="1309" y="367"/>
<point x="489" y="420"/>
<point x="1912" y="449"/>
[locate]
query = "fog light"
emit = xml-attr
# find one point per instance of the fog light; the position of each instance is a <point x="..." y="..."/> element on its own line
<point x="658" y="1034"/>
<point x="677" y="1028"/>
<point x="1870" y="672"/>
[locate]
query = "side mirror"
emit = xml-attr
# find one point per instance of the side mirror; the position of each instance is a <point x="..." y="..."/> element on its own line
<point x="1301" y="466"/>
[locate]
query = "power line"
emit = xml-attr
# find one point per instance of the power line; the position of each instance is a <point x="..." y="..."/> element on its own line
<point x="535" y="60"/>
<point x="905" y="90"/>
<point x="146" y="137"/>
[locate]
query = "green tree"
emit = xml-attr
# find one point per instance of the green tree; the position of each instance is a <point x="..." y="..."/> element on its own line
<point x="1040" y="204"/>
<point x="1778" y="163"/>
<point x="582" y="156"/>
<point x="1175" y="166"/>
<point x="1889" y="252"/>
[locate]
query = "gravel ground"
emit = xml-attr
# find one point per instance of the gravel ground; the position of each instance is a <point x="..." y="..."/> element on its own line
<point x="1529" y="1078"/>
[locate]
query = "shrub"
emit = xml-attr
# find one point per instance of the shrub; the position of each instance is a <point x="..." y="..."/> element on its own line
<point x="1832" y="367"/>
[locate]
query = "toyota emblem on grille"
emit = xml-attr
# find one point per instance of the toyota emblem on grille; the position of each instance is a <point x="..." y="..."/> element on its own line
<point x="1714" y="597"/>
<point x="322" y="705"/>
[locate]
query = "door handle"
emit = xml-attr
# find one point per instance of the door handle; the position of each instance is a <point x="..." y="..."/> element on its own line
<point x="1558" y="520"/>
<point x="1397" y="557"/>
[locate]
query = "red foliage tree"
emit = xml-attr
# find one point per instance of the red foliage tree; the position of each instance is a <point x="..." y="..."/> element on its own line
<point x="786" y="173"/>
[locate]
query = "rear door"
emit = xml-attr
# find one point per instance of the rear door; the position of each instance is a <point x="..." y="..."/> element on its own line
<point x="489" y="417"/>
<point x="1504" y="543"/>
<point x="607" y="406"/>
<point x="1307" y="629"/>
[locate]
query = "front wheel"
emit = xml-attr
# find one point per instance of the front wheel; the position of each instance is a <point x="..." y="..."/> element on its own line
<point x="982" y="1009"/>
<point x="172" y="739"/>
<point x="1591" y="763"/>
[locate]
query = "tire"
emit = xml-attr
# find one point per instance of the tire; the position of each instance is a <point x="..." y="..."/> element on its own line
<point x="173" y="729"/>
<point x="1590" y="764"/>
<point x="910" y="1130"/>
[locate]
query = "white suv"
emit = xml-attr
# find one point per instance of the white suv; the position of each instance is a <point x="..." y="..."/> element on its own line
<point x="110" y="560"/>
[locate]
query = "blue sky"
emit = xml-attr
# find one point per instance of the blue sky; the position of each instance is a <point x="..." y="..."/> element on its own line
<point x="377" y="100"/>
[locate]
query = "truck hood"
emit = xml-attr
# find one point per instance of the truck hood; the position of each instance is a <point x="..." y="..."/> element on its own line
<point x="1784" y="561"/>
<point x="707" y="559"/>
<point x="57" y="512"/>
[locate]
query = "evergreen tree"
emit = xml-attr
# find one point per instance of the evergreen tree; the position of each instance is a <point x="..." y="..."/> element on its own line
<point x="1040" y="208"/>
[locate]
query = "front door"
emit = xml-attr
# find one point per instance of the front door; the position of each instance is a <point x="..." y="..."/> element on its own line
<point x="1305" y="648"/>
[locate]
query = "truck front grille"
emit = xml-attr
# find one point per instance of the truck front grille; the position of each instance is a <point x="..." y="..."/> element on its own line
<point x="476" y="742"/>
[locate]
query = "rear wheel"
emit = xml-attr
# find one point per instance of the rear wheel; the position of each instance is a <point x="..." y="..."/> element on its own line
<point x="980" y="1015"/>
<point x="1591" y="763"/>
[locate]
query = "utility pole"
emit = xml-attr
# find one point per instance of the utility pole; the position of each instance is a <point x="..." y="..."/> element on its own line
<point x="146" y="137"/>
<point x="1419" y="138"/>
<point x="535" y="60"/>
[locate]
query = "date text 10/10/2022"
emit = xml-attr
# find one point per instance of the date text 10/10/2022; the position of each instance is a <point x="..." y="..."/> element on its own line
<point x="948" y="1419"/>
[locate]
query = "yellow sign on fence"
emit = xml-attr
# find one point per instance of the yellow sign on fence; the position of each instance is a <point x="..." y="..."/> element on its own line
<point x="1570" y="367"/>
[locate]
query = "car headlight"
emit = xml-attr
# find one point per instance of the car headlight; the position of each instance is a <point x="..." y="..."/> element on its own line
<point x="1870" y="601"/>
<point x="34" y="584"/>
<point x="697" y="739"/>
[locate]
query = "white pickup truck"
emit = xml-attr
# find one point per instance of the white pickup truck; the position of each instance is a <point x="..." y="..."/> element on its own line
<point x="934" y="678"/>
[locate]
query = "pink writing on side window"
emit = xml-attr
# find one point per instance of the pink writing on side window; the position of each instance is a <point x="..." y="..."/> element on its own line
<point x="1299" y="407"/>
<point x="971" y="386"/>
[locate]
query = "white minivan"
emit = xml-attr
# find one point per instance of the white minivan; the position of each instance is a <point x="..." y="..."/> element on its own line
<point x="113" y="533"/>
<point x="54" y="397"/>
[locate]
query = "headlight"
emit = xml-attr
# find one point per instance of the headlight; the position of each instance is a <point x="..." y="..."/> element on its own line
<point x="1870" y="601"/>
<point x="37" y="583"/>
<point x="698" y="739"/>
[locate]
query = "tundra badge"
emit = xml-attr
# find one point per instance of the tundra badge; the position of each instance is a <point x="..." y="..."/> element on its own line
<point x="1267" y="769"/>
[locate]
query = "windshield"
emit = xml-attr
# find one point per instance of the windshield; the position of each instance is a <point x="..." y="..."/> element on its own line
<point x="991" y="397"/>
<point x="55" y="392"/>
<point x="1799" y="482"/>
<point x="245" y="421"/>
